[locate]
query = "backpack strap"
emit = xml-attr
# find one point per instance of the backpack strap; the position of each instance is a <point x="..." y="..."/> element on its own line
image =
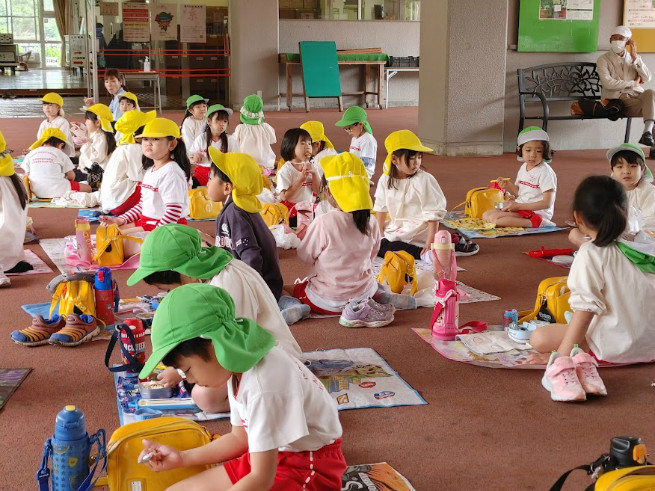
<point x="132" y="363"/>
<point x="593" y="470"/>
<point x="89" y="482"/>
<point x="43" y="475"/>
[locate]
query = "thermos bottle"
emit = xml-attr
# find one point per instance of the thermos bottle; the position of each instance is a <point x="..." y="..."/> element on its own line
<point x="138" y="348"/>
<point x="104" y="294"/>
<point x="83" y="239"/>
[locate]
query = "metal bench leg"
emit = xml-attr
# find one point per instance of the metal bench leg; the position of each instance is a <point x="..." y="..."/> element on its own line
<point x="627" y="130"/>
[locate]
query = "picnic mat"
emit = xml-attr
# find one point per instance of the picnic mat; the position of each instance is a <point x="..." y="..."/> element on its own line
<point x="56" y="251"/>
<point x="476" y="228"/>
<point x="359" y="378"/>
<point x="371" y="477"/>
<point x="10" y="379"/>
<point x="40" y="267"/>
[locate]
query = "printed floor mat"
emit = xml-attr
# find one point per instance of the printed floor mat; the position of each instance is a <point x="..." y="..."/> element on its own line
<point x="476" y="228"/>
<point x="381" y="477"/>
<point x="10" y="379"/>
<point x="40" y="267"/>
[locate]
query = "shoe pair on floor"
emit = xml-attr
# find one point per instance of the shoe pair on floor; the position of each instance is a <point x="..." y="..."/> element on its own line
<point x="69" y="331"/>
<point x="366" y="313"/>
<point x="571" y="378"/>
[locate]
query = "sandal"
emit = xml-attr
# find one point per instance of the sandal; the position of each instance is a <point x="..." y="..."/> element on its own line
<point x="464" y="246"/>
<point x="39" y="332"/>
<point x="78" y="329"/>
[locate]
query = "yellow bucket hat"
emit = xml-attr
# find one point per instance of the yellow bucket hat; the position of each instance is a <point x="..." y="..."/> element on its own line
<point x="131" y="96"/>
<point x="104" y="115"/>
<point x="348" y="182"/>
<point x="317" y="132"/>
<point x="160" y="128"/>
<point x="51" y="133"/>
<point x="6" y="162"/>
<point x="53" y="98"/>
<point x="131" y="121"/>
<point x="401" y="140"/>
<point x="246" y="177"/>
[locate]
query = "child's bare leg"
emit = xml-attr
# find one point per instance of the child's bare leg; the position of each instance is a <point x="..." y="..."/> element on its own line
<point x="209" y="480"/>
<point x="548" y="338"/>
<point x="85" y="188"/>
<point x="510" y="219"/>
<point x="211" y="400"/>
<point x="130" y="247"/>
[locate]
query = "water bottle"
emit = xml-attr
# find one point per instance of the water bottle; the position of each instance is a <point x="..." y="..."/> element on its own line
<point x="83" y="239"/>
<point x="137" y="348"/>
<point x="146" y="64"/>
<point x="104" y="293"/>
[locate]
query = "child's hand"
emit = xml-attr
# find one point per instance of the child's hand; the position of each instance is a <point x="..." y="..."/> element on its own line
<point x="106" y="219"/>
<point x="164" y="457"/>
<point x="538" y="359"/>
<point x="502" y="183"/>
<point x="169" y="377"/>
<point x="88" y="101"/>
<point x="511" y="205"/>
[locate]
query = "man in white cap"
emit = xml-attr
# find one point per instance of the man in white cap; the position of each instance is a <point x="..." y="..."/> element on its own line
<point x="622" y="74"/>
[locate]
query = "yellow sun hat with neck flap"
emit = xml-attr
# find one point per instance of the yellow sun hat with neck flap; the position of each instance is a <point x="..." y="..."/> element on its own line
<point x="316" y="132"/>
<point x="131" y="121"/>
<point x="348" y="181"/>
<point x="6" y="162"/>
<point x="401" y="140"/>
<point x="104" y="114"/>
<point x="246" y="177"/>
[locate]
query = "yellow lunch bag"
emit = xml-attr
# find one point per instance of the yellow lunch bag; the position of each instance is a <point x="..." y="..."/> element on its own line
<point x="274" y="214"/>
<point x="398" y="269"/>
<point x="479" y="200"/>
<point x="201" y="207"/>
<point x="109" y="245"/>
<point x="125" y="445"/>
<point x="552" y="301"/>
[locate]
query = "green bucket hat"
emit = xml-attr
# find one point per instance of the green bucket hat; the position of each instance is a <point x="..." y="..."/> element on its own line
<point x="252" y="111"/>
<point x="195" y="98"/>
<point x="218" y="107"/>
<point x="179" y="248"/>
<point x="353" y="115"/>
<point x="200" y="310"/>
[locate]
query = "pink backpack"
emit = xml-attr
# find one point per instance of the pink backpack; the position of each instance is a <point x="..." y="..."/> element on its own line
<point x="304" y="217"/>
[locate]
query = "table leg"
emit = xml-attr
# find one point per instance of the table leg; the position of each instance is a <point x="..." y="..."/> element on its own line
<point x="289" y="86"/>
<point x="380" y="83"/>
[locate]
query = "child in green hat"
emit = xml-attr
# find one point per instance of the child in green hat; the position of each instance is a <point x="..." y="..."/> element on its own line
<point x="173" y="255"/>
<point x="255" y="136"/>
<point x="194" y="122"/>
<point x="362" y="142"/>
<point x="285" y="426"/>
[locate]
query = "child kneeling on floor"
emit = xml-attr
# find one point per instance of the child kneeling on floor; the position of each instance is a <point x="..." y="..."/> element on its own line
<point x="340" y="245"/>
<point x="612" y="290"/>
<point x="285" y="427"/>
<point x="172" y="256"/>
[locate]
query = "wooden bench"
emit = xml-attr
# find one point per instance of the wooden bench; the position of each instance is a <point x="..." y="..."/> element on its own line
<point x="557" y="82"/>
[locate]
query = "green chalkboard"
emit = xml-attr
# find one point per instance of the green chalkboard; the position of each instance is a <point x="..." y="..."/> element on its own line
<point x="320" y="69"/>
<point x="551" y="25"/>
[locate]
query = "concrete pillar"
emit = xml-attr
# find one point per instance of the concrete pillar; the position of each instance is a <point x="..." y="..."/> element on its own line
<point x="254" y="37"/>
<point x="462" y="76"/>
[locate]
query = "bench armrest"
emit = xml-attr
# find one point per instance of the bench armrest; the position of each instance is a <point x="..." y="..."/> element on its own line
<point x="544" y="105"/>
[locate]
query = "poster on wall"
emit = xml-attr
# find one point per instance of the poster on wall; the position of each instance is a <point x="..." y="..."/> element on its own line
<point x="566" y="9"/>
<point x="109" y="8"/>
<point x="192" y="24"/>
<point x="136" y="22"/>
<point x="639" y="13"/>
<point x="164" y="22"/>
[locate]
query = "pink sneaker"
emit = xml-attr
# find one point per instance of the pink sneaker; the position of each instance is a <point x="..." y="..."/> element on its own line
<point x="561" y="379"/>
<point x="585" y="368"/>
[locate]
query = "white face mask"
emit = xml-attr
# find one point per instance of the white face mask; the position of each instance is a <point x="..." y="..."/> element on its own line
<point x="617" y="46"/>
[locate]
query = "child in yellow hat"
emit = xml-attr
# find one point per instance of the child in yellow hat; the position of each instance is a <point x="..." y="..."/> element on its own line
<point x="321" y="144"/>
<point x="124" y="171"/>
<point x="164" y="197"/>
<point x="235" y="179"/>
<point x="362" y="144"/>
<point x="340" y="246"/>
<point x="48" y="167"/>
<point x="53" y="108"/>
<point x="99" y="145"/>
<point x="13" y="217"/>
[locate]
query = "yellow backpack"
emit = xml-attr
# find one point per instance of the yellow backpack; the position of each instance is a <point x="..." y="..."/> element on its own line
<point x="479" y="200"/>
<point x="124" y="447"/>
<point x="74" y="293"/>
<point x="109" y="245"/>
<point x="552" y="301"/>
<point x="639" y="478"/>
<point x="274" y="213"/>
<point x="201" y="207"/>
<point x="398" y="269"/>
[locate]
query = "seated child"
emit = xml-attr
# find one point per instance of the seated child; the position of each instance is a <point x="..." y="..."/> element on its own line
<point x="535" y="187"/>
<point x="99" y="145"/>
<point x="127" y="102"/>
<point x="53" y="108"/>
<point x="215" y="135"/>
<point x="120" y="189"/>
<point x="612" y="289"/>
<point x="195" y="120"/>
<point x="49" y="169"/>
<point x="235" y="180"/>
<point x="340" y="246"/>
<point x="13" y="218"/>
<point x="164" y="197"/>
<point x="298" y="179"/>
<point x="172" y="256"/>
<point x="362" y="142"/>
<point x="285" y="427"/>
<point x="321" y="145"/>
<point x="254" y="136"/>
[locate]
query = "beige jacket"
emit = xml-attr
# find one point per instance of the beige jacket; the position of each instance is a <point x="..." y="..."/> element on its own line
<point x="617" y="74"/>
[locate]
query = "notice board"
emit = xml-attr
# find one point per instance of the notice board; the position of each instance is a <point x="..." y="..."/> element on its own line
<point x="568" y="26"/>
<point x="639" y="16"/>
<point x="320" y="69"/>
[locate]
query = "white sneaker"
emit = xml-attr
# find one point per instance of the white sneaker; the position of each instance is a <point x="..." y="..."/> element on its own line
<point x="4" y="280"/>
<point x="547" y="223"/>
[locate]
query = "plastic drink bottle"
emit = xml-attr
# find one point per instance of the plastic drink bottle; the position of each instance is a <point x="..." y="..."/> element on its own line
<point x="83" y="239"/>
<point x="137" y="348"/>
<point x="104" y="293"/>
<point x="444" y="255"/>
<point x="70" y="450"/>
<point x="146" y="64"/>
<point x="445" y="317"/>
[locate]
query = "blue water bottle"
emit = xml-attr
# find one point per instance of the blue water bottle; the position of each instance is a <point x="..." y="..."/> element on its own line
<point x="70" y="448"/>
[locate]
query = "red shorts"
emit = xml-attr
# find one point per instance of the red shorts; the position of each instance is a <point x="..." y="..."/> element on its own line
<point x="318" y="470"/>
<point x="75" y="186"/>
<point x="130" y="202"/>
<point x="535" y="218"/>
<point x="201" y="173"/>
<point x="149" y="224"/>
<point x="300" y="293"/>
